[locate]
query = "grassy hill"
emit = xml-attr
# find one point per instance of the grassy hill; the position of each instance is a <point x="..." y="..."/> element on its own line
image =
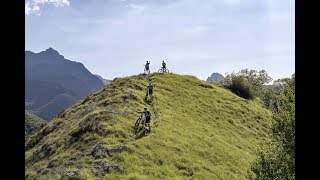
<point x="199" y="131"/>
<point x="32" y="122"/>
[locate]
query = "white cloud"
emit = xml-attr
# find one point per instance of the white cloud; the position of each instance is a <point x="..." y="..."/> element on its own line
<point x="33" y="6"/>
<point x="32" y="9"/>
<point x="36" y="9"/>
<point x="137" y="8"/>
<point x="27" y="8"/>
<point x="54" y="2"/>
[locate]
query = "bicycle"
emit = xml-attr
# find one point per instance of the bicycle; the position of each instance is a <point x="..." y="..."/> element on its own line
<point x="163" y="70"/>
<point x="136" y="125"/>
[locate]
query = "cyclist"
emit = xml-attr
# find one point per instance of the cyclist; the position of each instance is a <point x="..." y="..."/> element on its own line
<point x="149" y="90"/>
<point x="147" y="115"/>
<point x="164" y="65"/>
<point x="147" y="66"/>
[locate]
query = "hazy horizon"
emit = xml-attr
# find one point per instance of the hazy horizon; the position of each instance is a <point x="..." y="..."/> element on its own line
<point x="114" y="38"/>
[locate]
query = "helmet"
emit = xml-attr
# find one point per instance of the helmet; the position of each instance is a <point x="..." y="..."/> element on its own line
<point x="145" y="109"/>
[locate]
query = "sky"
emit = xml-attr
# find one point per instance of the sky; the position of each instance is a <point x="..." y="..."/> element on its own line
<point x="114" y="38"/>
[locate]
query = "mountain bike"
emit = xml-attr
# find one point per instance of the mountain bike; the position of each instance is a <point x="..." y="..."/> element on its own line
<point x="163" y="70"/>
<point x="136" y="125"/>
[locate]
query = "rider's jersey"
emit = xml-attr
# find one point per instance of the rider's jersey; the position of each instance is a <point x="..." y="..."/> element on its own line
<point x="147" y="114"/>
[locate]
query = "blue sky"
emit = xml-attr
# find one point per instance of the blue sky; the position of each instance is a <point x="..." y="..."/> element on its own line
<point x="114" y="38"/>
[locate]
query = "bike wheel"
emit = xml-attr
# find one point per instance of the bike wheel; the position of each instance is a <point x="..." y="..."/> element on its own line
<point x="136" y="125"/>
<point x="138" y="120"/>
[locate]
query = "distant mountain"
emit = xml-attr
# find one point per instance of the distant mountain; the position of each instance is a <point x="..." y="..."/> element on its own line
<point x="53" y="83"/>
<point x="32" y="122"/>
<point x="215" y="77"/>
<point x="105" y="81"/>
<point x="56" y="105"/>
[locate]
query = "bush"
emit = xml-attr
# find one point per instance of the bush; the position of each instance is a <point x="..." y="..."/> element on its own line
<point x="246" y="83"/>
<point x="278" y="162"/>
<point x="241" y="87"/>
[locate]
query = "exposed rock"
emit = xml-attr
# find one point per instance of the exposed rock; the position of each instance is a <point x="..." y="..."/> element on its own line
<point x="73" y="139"/>
<point x="88" y="110"/>
<point x="101" y="168"/>
<point x="100" y="152"/>
<point x="117" y="150"/>
<point x="29" y="128"/>
<point x="215" y="77"/>
<point x="70" y="163"/>
<point x="42" y="171"/>
<point x="71" y="174"/>
<point x="46" y="149"/>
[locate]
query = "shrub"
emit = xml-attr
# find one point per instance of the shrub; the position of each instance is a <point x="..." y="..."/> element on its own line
<point x="240" y="86"/>
<point x="278" y="162"/>
<point x="246" y="83"/>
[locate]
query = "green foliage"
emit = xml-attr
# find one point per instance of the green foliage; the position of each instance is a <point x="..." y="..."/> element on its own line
<point x="246" y="83"/>
<point x="199" y="131"/>
<point x="278" y="162"/>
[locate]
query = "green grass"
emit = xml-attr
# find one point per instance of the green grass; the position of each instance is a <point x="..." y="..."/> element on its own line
<point x="32" y="122"/>
<point x="199" y="131"/>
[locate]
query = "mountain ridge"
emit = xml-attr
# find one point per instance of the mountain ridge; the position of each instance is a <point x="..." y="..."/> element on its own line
<point x="105" y="81"/>
<point x="215" y="77"/>
<point x="49" y="74"/>
<point x="199" y="131"/>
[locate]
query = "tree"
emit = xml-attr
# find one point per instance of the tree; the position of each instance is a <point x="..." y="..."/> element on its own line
<point x="246" y="83"/>
<point x="278" y="161"/>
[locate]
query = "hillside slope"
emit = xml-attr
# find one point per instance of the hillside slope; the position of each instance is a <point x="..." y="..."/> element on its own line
<point x="198" y="131"/>
<point x="32" y="122"/>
